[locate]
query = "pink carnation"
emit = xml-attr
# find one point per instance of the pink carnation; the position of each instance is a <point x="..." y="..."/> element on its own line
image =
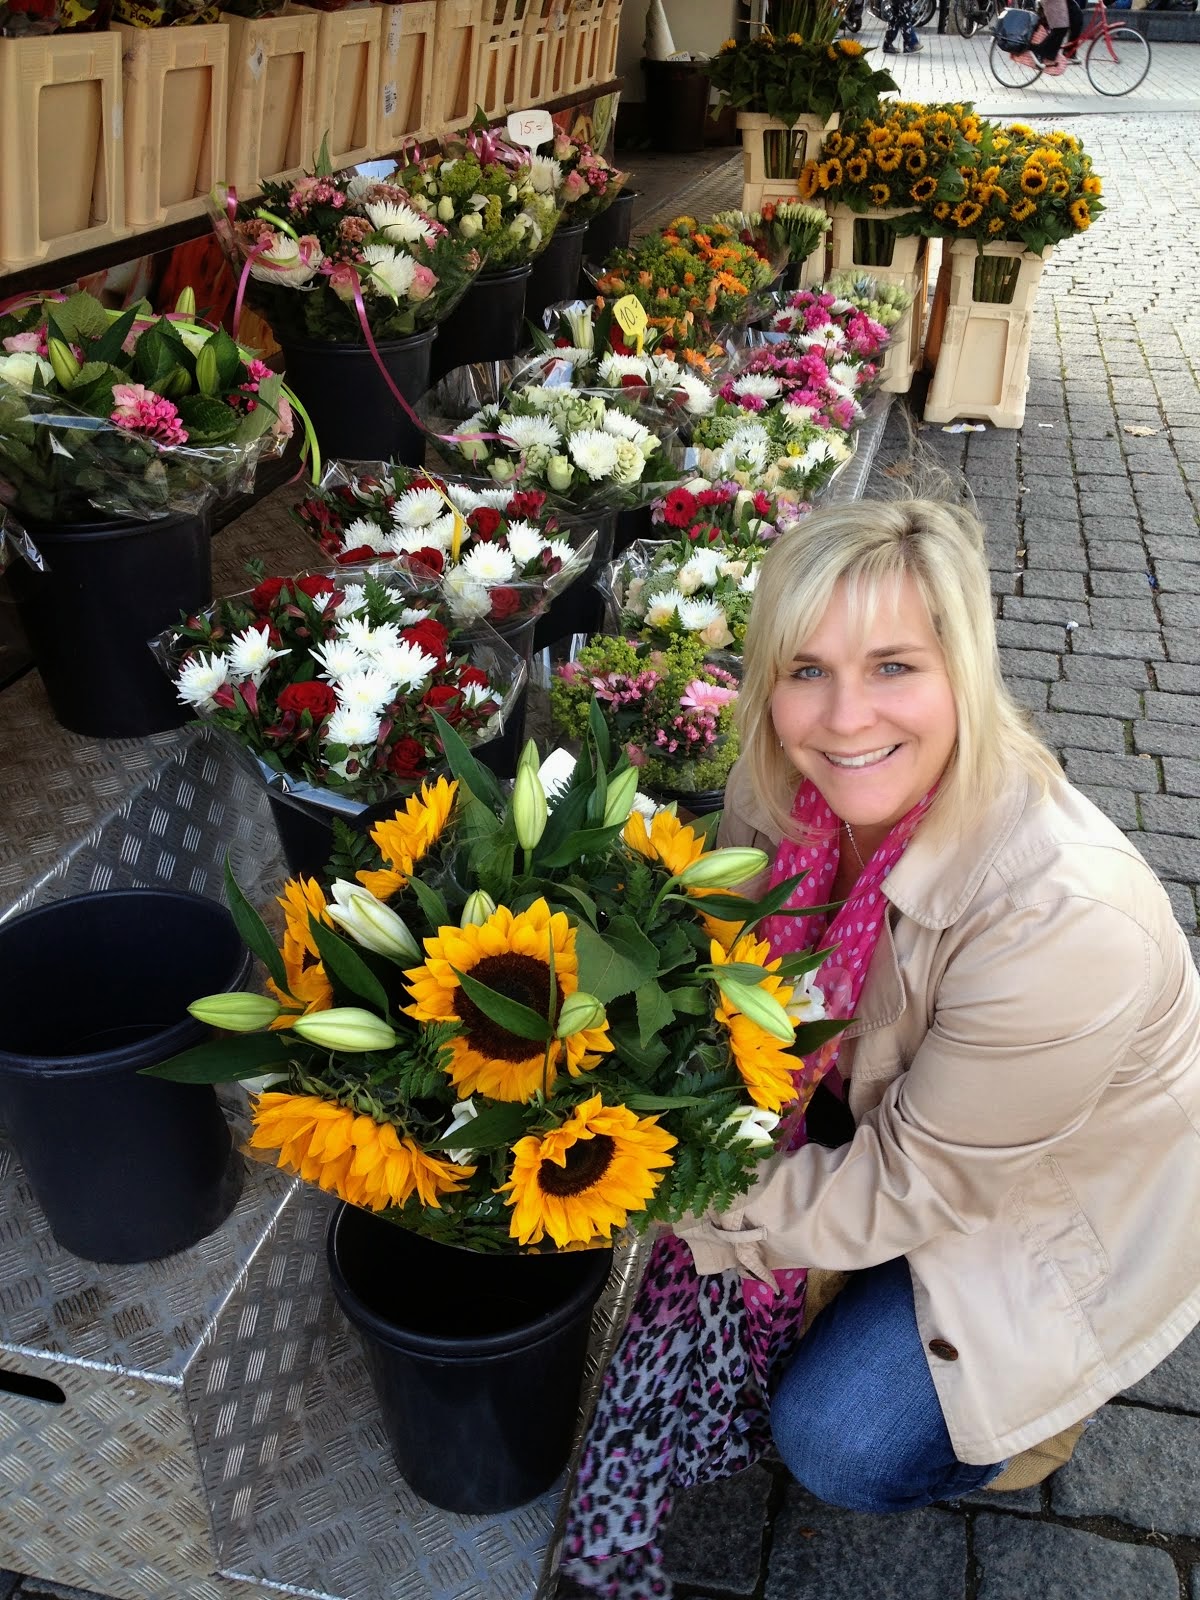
<point x="139" y="410"/>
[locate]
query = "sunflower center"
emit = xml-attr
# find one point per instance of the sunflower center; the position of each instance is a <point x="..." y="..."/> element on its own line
<point x="521" y="978"/>
<point x="587" y="1162"/>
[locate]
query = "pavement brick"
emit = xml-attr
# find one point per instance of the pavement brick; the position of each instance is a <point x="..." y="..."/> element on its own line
<point x="1121" y="585"/>
<point x="1127" y="613"/>
<point x="1028" y="664"/>
<point x="1055" y="585"/>
<point x="1029" y="692"/>
<point x="1115" y="555"/>
<point x="1056" y="557"/>
<point x="1030" y="636"/>
<point x="1061" y="729"/>
<point x="1178" y="575"/>
<point x="1183" y="902"/>
<point x="1135" y="1465"/>
<point x="1172" y="707"/>
<point x="1171" y="855"/>
<point x="1120" y="806"/>
<point x="821" y="1553"/>
<point x="1166" y="739"/>
<point x="715" y="1535"/>
<point x="1180" y="610"/>
<point x="1026" y="608"/>
<point x="1102" y="700"/>
<point x="1182" y="644"/>
<point x="1169" y="813"/>
<point x="1022" y="1560"/>
<point x="1181" y="776"/>
<point x="1130" y="674"/>
<point x="1117" y="642"/>
<point x="1115" y="772"/>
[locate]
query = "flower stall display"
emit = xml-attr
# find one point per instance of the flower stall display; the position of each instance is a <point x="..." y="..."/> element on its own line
<point x="515" y="1025"/>
<point x="670" y="708"/>
<point x="789" y="227"/>
<point x="117" y="429"/>
<point x="584" y="345"/>
<point x="855" y="321"/>
<point x="497" y="555"/>
<point x="583" y="182"/>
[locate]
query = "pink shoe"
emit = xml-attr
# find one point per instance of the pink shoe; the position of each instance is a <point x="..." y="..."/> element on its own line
<point x="1024" y="59"/>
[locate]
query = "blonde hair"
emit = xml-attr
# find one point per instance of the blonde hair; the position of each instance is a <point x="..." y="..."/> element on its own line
<point x="872" y="546"/>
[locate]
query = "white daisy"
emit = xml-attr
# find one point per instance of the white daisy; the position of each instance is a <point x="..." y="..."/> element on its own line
<point x="251" y="653"/>
<point x="663" y="607"/>
<point x="367" y="690"/>
<point x="594" y="452"/>
<point x="527" y="432"/>
<point x="417" y="508"/>
<point x="339" y="657"/>
<point x="351" y="725"/>
<point x="758" y="386"/>
<point x="400" y="224"/>
<point x="199" y="679"/>
<point x="389" y="271"/>
<point x="489" y="563"/>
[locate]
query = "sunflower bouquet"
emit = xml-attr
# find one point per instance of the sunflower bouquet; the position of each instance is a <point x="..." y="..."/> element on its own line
<point x="900" y="156"/>
<point x="520" y="1024"/>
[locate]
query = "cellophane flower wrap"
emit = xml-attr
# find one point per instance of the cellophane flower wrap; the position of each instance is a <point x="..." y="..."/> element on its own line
<point x="310" y="249"/>
<point x="583" y="345"/>
<point x="488" y="193"/>
<point x="497" y="555"/>
<point x="331" y="684"/>
<point x="582" y="181"/>
<point x="586" y="449"/>
<point x="833" y="322"/>
<point x="697" y="577"/>
<point x="787" y="227"/>
<point x="670" y="708"/>
<point x="519" y="1023"/>
<point x="128" y="414"/>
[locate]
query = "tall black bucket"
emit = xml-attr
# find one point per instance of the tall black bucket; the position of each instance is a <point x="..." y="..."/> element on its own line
<point x="488" y="323"/>
<point x="354" y="413"/>
<point x="126" y="1168"/>
<point x="556" y="271"/>
<point x="477" y="1360"/>
<point x="608" y="232"/>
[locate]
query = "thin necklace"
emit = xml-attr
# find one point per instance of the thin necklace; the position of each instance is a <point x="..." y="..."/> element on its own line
<point x="862" y="866"/>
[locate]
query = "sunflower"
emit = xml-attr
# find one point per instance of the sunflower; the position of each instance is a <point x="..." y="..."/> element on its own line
<point x="910" y="139"/>
<point x="857" y="168"/>
<point x="941" y="211"/>
<point x="1033" y="180"/>
<point x="1022" y="210"/>
<point x="924" y="188"/>
<point x="307" y="983"/>
<point x="409" y="835"/>
<point x="362" y="1161"/>
<point x="830" y="173"/>
<point x="888" y="160"/>
<point x="943" y="139"/>
<point x="1059" y="187"/>
<point x="915" y="162"/>
<point x="966" y="213"/>
<point x="879" y="136"/>
<point x="1093" y="185"/>
<point x="666" y="840"/>
<point x="832" y="145"/>
<point x="850" y="47"/>
<point x="996" y="225"/>
<point x="809" y="181"/>
<point x="765" y="1063"/>
<point x="1081" y="214"/>
<point x="581" y="1180"/>
<point x="849" y="144"/>
<point x="509" y="953"/>
<point x="880" y="194"/>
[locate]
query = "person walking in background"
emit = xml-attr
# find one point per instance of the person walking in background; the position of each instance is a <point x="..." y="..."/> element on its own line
<point x="900" y="21"/>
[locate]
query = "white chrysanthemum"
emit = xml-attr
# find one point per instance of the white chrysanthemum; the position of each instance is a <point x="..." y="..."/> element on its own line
<point x="563" y="549"/>
<point x="359" y="186"/>
<point x="354" y="598"/>
<point x="525" y="542"/>
<point x="200" y="678"/>
<point x="545" y="174"/>
<point x="467" y="597"/>
<point x="758" y="386"/>
<point x="411" y="615"/>
<point x="489" y="563"/>
<point x="405" y="663"/>
<point x="417" y="508"/>
<point x="663" y="607"/>
<point x="367" y="690"/>
<point x="594" y="452"/>
<point x="796" y="415"/>
<point x="362" y="531"/>
<point x="464" y="497"/>
<point x="388" y="271"/>
<point x="749" y="583"/>
<point x="251" y="653"/>
<point x="626" y="427"/>
<point x="339" y="658"/>
<point x="351" y="725"/>
<point x="748" y="447"/>
<point x="697" y="614"/>
<point x="844" y="375"/>
<point x="699" y="399"/>
<point x="614" y="367"/>
<point x="476" y="693"/>
<point x="399" y="223"/>
<point x="700" y="572"/>
<point x="527" y="432"/>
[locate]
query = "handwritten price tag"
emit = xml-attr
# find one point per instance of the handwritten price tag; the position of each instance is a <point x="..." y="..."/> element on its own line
<point x="631" y="316"/>
<point x="530" y="128"/>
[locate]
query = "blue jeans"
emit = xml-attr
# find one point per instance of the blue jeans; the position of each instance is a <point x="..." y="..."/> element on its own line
<point x="900" y="20"/>
<point x="856" y="1417"/>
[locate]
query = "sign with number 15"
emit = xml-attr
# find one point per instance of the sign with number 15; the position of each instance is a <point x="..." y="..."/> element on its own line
<point x="530" y="128"/>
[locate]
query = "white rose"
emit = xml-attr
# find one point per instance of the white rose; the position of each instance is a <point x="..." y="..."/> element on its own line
<point x="630" y="463"/>
<point x="717" y="635"/>
<point x="23" y="369"/>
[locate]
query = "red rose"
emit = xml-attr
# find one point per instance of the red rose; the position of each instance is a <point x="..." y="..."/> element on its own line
<point x="484" y="521"/>
<point x="361" y="552"/>
<point x="630" y="380"/>
<point x="527" y="503"/>
<point x="447" y="702"/>
<point x="762" y="504"/>
<point x="473" y="676"/>
<point x="506" y="603"/>
<point x="316" y="698"/>
<point x="429" y="636"/>
<point x="315" y="585"/>
<point x="407" y="759"/>
<point x="429" y="556"/>
<point x="265" y="595"/>
<point x="679" y="508"/>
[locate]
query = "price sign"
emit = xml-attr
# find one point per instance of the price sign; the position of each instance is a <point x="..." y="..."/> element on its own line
<point x="530" y="128"/>
<point x="631" y="316"/>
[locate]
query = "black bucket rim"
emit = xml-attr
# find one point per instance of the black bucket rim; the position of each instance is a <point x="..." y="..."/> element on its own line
<point x="482" y="1348"/>
<point x="98" y="529"/>
<point x="169" y="1040"/>
<point x="570" y="229"/>
<point x="347" y="347"/>
<point x="503" y="274"/>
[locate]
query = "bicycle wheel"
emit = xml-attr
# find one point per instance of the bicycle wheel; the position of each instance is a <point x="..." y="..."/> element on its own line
<point x="1012" y="73"/>
<point x="966" y="18"/>
<point x="923" y="13"/>
<point x="1117" y="61"/>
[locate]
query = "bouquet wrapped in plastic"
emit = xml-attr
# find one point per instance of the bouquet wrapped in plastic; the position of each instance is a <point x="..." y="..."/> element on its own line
<point x="583" y="345"/>
<point x="583" y="182"/>
<point x="126" y="413"/>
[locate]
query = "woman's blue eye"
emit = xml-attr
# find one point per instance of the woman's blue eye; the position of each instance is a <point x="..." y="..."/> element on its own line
<point x="803" y="674"/>
<point x="893" y="669"/>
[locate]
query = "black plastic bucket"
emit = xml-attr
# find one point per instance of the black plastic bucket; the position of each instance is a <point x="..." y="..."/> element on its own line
<point x="354" y="413"/>
<point x="108" y="588"/>
<point x="556" y="271"/>
<point x="126" y="1168"/>
<point x="633" y="525"/>
<point x="477" y="1360"/>
<point x="608" y="232"/>
<point x="306" y="830"/>
<point x="676" y="104"/>
<point x="700" y="802"/>
<point x="580" y="606"/>
<point x="488" y="323"/>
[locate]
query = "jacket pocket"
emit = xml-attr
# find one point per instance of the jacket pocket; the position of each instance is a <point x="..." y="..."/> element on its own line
<point x="1053" y="1221"/>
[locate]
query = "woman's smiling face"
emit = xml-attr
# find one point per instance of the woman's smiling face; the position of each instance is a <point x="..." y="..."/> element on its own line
<point x="868" y="714"/>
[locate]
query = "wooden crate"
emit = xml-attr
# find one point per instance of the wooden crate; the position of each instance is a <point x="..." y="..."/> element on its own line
<point x="347" y="95"/>
<point x="759" y="183"/>
<point x="176" y="98"/>
<point x="456" y="63"/>
<point x="545" y="55"/>
<point x="62" y="171"/>
<point x="271" y="125"/>
<point x="407" y="73"/>
<point x="610" y="34"/>
<point x="501" y="49"/>
<point x="583" y="44"/>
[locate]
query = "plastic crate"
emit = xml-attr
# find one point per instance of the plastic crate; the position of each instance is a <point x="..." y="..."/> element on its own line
<point x="406" y="73"/>
<point x="271" y="125"/>
<point x="610" y="36"/>
<point x="909" y="266"/>
<point x="545" y="56"/>
<point x="62" y="173"/>
<point x="759" y="182"/>
<point x="176" y="98"/>
<point x="583" y="53"/>
<point x="501" y="49"/>
<point x="347" y="100"/>
<point x="456" y="62"/>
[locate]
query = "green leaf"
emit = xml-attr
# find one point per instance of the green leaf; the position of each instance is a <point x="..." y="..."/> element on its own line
<point x="509" y="1014"/>
<point x="469" y="772"/>
<point x="811" y="1036"/>
<point x="689" y="1001"/>
<point x="497" y="1125"/>
<point x="566" y="816"/>
<point x="433" y="907"/>
<point x="662" y="1102"/>
<point x="108" y="346"/>
<point x="346" y="968"/>
<point x="645" y="1058"/>
<point x="615" y="962"/>
<point x="733" y="908"/>
<point x="207" y="420"/>
<point x="795" y="966"/>
<point x="743" y="971"/>
<point x="587" y="842"/>
<point x="599" y="734"/>
<point x="226" y="1060"/>
<point x="82" y="318"/>
<point x="254" y="932"/>
<point x="154" y="359"/>
<point x="654" y="1011"/>
<point x="229" y="357"/>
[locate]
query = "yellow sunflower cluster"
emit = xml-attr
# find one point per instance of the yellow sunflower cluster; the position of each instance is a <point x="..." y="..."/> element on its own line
<point x="1033" y="189"/>
<point x="308" y="987"/>
<point x="407" y="837"/>
<point x="892" y="158"/>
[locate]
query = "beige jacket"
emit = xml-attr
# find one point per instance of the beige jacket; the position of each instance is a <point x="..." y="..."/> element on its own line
<point x="1025" y="1078"/>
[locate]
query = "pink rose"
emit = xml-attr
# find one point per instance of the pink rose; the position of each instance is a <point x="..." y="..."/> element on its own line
<point x="424" y="282"/>
<point x="343" y="280"/>
<point x="27" y="342"/>
<point x="574" y="186"/>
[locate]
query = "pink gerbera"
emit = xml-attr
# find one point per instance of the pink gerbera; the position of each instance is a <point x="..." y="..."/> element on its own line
<point x="139" y="410"/>
<point x="701" y="696"/>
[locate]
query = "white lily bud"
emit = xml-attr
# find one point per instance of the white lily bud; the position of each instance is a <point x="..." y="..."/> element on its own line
<point x="722" y="869"/>
<point x="529" y="810"/>
<point x="753" y="1125"/>
<point x="370" y="923"/>
<point x="479" y="907"/>
<point x="346" y="1028"/>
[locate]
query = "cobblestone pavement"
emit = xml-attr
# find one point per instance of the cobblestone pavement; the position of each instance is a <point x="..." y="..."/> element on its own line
<point x="1091" y="511"/>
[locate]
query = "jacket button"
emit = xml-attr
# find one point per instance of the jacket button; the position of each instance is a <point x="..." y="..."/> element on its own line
<point x="942" y="1347"/>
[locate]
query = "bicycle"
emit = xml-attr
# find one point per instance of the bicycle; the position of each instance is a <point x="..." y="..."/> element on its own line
<point x="852" y="15"/>
<point x="1116" y="59"/>
<point x="971" y="15"/>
